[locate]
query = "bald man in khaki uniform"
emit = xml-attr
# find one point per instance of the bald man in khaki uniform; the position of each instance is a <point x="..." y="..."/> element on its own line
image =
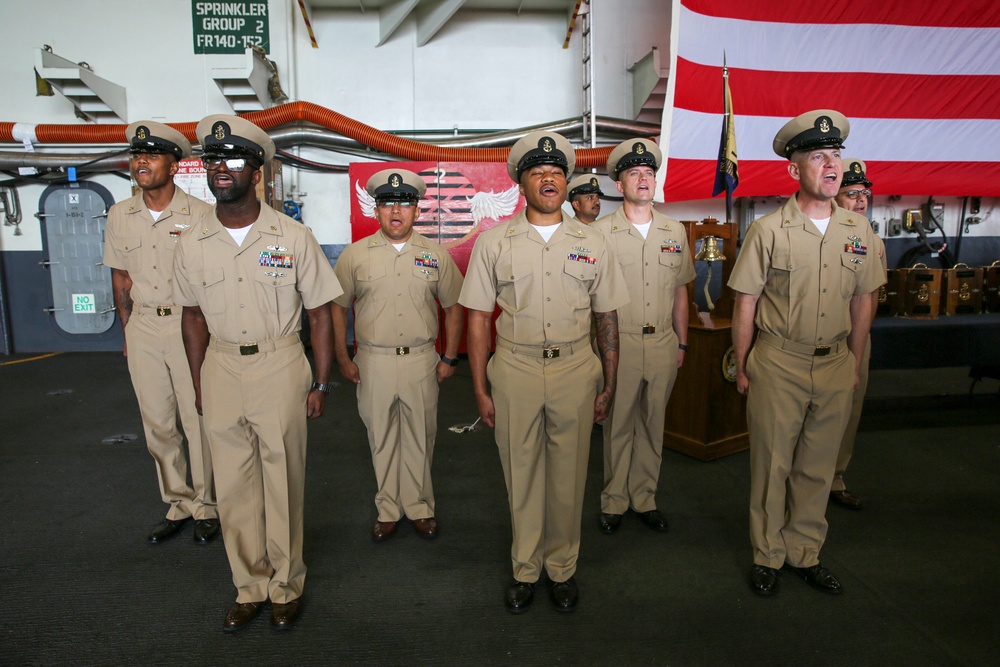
<point x="652" y="251"/>
<point x="396" y="275"/>
<point x="855" y="195"/>
<point x="139" y="243"/>
<point x="804" y="281"/>
<point x="244" y="273"/>
<point x="544" y="387"/>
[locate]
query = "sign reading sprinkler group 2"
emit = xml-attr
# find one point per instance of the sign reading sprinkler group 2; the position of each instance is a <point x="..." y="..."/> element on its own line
<point x="84" y="304"/>
<point x="230" y="27"/>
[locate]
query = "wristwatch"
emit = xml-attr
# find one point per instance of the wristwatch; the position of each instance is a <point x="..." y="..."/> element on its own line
<point x="682" y="347"/>
<point x="448" y="360"/>
<point x="325" y="388"/>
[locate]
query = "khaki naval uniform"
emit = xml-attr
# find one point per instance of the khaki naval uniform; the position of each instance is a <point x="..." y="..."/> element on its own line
<point x="800" y="369"/>
<point x="161" y="377"/>
<point x="647" y="361"/>
<point x="395" y="326"/>
<point x="544" y="376"/>
<point x="858" y="401"/>
<point x="254" y="383"/>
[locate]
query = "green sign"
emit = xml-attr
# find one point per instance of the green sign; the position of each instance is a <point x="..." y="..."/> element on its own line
<point x="230" y="27"/>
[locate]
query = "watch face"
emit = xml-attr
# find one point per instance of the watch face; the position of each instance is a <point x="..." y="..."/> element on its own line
<point x="729" y="364"/>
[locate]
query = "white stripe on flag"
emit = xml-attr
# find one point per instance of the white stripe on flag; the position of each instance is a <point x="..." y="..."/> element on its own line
<point x="888" y="139"/>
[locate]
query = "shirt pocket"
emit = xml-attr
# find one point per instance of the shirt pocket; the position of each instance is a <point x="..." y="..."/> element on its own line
<point x="579" y="276"/>
<point x="424" y="285"/>
<point x="849" y="274"/>
<point x="514" y="281"/>
<point x="670" y="264"/>
<point x="790" y="274"/>
<point x="276" y="294"/>
<point x="128" y="248"/>
<point x="212" y="287"/>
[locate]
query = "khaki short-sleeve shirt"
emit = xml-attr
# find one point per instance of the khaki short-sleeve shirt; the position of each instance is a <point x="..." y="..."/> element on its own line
<point x="256" y="291"/>
<point x="395" y="292"/>
<point x="805" y="280"/>
<point x="546" y="291"/>
<point x="652" y="267"/>
<point x="135" y="243"/>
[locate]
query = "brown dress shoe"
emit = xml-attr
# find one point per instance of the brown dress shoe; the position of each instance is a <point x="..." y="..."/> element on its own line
<point x="240" y="614"/>
<point x="426" y="527"/>
<point x="846" y="499"/>
<point x="383" y="530"/>
<point x="284" y="615"/>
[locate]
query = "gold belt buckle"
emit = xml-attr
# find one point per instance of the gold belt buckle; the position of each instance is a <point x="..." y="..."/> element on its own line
<point x="400" y="351"/>
<point x="550" y="352"/>
<point x="162" y="311"/>
<point x="648" y="328"/>
<point x="822" y="351"/>
<point x="247" y="350"/>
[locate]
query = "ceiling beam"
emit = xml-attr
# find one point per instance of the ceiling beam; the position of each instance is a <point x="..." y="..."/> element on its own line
<point x="391" y="16"/>
<point x="432" y="19"/>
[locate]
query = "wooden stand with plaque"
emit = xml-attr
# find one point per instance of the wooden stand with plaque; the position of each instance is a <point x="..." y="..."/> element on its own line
<point x="706" y="418"/>
<point x="991" y="287"/>
<point x="963" y="290"/>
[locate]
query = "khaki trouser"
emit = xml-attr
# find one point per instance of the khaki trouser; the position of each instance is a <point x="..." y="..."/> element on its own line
<point x="633" y="432"/>
<point x="255" y="416"/>
<point x="797" y="407"/>
<point x="857" y="404"/>
<point x="161" y="378"/>
<point x="544" y="416"/>
<point x="397" y="399"/>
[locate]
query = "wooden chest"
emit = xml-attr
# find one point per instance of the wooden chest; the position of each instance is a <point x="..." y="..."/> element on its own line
<point x="922" y="291"/>
<point x="890" y="295"/>
<point x="991" y="287"/>
<point x="963" y="290"/>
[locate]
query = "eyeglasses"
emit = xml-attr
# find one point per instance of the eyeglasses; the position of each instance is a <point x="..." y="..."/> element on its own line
<point x="854" y="194"/>
<point x="401" y="203"/>
<point x="233" y="164"/>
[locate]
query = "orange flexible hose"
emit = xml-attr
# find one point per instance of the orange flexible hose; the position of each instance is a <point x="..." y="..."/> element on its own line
<point x="383" y="142"/>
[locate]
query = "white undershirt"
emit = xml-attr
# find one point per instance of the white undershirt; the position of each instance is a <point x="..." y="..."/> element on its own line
<point x="239" y="234"/>
<point x="156" y="214"/>
<point x="822" y="224"/>
<point x="399" y="246"/>
<point x="644" y="229"/>
<point x="546" y="231"/>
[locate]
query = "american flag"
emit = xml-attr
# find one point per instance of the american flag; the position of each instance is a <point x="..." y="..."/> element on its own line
<point x="918" y="79"/>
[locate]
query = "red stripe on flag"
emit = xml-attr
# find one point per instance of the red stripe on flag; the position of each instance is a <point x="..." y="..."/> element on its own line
<point x="693" y="179"/>
<point x="930" y="13"/>
<point x="856" y="95"/>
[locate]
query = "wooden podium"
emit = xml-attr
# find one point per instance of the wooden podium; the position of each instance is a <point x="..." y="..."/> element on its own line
<point x="706" y="417"/>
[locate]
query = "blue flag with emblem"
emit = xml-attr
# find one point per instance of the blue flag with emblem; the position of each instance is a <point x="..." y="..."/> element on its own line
<point x="727" y="174"/>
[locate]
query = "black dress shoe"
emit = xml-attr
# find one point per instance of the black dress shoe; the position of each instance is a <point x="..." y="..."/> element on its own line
<point x="610" y="523"/>
<point x="240" y="614"/>
<point x="205" y="530"/>
<point x="819" y="577"/>
<point x="565" y="595"/>
<point x="284" y="615"/>
<point x="654" y="520"/>
<point x="846" y="499"/>
<point x="519" y="596"/>
<point x="166" y="529"/>
<point x="763" y="580"/>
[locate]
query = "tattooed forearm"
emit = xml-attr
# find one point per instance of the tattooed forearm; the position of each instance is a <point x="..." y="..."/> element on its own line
<point x="607" y="346"/>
